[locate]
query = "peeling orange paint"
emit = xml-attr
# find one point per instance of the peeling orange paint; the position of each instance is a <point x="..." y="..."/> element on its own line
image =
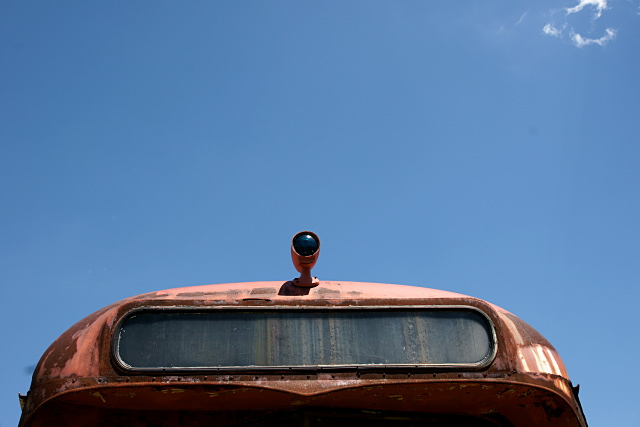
<point x="172" y="390"/>
<point x="99" y="395"/>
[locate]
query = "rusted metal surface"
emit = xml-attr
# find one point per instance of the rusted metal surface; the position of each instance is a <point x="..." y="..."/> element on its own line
<point x="525" y="385"/>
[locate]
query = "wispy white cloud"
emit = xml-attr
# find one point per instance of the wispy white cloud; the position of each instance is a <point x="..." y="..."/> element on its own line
<point x="550" y="30"/>
<point x="600" y="6"/>
<point x="567" y="32"/>
<point x="580" y="41"/>
<point x="521" y="19"/>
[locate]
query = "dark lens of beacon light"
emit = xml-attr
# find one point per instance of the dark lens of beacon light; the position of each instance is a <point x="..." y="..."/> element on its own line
<point x="305" y="245"/>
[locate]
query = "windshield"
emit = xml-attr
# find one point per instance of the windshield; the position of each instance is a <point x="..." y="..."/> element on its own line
<point x="155" y="339"/>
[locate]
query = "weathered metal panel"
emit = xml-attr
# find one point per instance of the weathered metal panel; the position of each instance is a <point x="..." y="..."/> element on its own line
<point x="526" y="384"/>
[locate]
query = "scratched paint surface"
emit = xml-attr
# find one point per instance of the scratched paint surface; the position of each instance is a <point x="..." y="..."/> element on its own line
<point x="527" y="373"/>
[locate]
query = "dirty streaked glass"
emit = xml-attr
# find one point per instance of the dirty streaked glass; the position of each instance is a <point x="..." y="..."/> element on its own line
<point x="300" y="338"/>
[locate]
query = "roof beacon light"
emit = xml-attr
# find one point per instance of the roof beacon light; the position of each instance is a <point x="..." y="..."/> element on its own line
<point x="305" y="248"/>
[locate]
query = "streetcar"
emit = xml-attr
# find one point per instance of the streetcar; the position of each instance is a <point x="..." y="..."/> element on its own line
<point x="303" y="352"/>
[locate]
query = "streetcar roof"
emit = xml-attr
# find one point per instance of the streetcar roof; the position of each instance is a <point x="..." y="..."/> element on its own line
<point x="79" y="367"/>
<point x="68" y="355"/>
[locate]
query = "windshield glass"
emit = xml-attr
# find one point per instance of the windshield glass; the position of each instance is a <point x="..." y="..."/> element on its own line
<point x="171" y="339"/>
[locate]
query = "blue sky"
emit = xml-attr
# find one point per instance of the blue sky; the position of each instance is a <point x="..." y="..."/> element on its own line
<point x="487" y="148"/>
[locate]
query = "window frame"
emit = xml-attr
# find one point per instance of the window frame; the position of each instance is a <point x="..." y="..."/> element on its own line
<point x="488" y="359"/>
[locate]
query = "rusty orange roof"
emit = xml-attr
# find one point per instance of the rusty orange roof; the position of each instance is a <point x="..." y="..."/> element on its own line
<point x="78" y="369"/>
